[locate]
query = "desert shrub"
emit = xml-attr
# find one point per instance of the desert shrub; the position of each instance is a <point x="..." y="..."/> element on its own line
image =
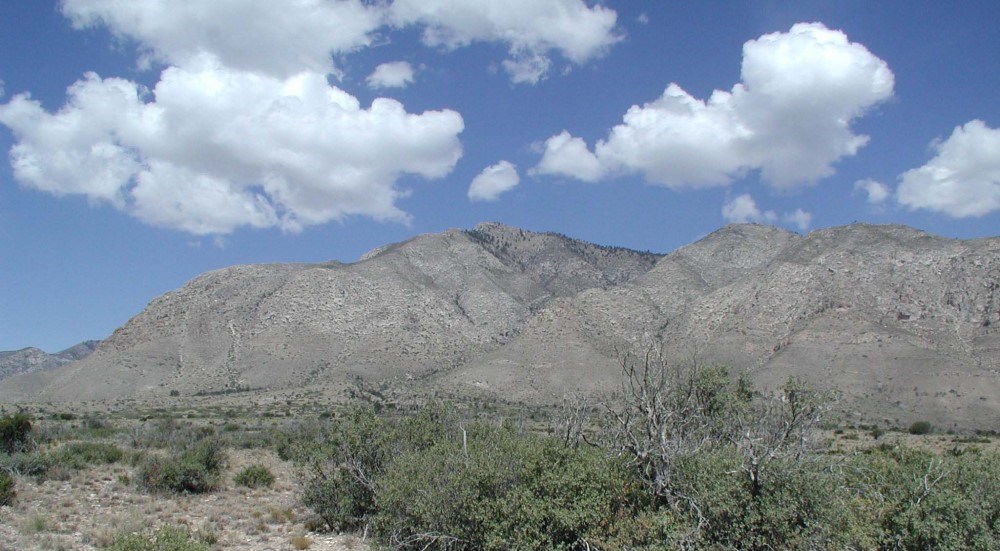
<point x="7" y="492"/>
<point x="797" y="505"/>
<point x="81" y="454"/>
<point x="34" y="464"/>
<point x="167" y="538"/>
<point x="500" y="489"/>
<point x="921" y="500"/>
<point x="920" y="427"/>
<point x="340" y="465"/>
<point x="255" y="476"/>
<point x="162" y="474"/>
<point x="15" y="433"/>
<point x="60" y="463"/>
<point x="196" y="470"/>
<point x="208" y="453"/>
<point x="341" y="461"/>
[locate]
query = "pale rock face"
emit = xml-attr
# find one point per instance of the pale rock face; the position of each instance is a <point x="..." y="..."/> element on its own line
<point x="903" y="324"/>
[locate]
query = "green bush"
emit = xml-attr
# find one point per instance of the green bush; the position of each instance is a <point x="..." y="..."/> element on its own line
<point x="340" y="466"/>
<point x="161" y="474"/>
<point x="500" y="489"/>
<point x="920" y="500"/>
<point x="744" y="480"/>
<point x="208" y="453"/>
<point x="716" y="505"/>
<point x="920" y="427"/>
<point x="7" y="492"/>
<point x="166" y="539"/>
<point x="255" y="476"/>
<point x="15" y="432"/>
<point x="341" y="462"/>
<point x="195" y="471"/>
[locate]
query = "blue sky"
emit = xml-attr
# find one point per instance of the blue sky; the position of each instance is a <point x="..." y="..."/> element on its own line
<point x="150" y="141"/>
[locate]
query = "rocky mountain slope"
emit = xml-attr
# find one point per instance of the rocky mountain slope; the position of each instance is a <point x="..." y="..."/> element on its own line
<point x="29" y="360"/>
<point x="903" y="324"/>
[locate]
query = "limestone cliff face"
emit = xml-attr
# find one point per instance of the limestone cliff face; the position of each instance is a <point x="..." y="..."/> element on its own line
<point x="903" y="323"/>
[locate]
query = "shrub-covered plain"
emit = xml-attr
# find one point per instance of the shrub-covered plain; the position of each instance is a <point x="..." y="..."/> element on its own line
<point x="687" y="457"/>
<point x="680" y="459"/>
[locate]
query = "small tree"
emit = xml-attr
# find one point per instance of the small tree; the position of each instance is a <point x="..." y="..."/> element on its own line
<point x="777" y="428"/>
<point x="340" y="466"/>
<point x="667" y="412"/>
<point x="670" y="417"/>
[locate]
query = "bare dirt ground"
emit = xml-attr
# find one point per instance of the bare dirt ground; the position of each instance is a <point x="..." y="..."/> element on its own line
<point x="853" y="440"/>
<point x="88" y="508"/>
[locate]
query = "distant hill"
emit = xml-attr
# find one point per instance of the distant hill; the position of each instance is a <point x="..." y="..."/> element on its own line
<point x="29" y="360"/>
<point x="905" y="325"/>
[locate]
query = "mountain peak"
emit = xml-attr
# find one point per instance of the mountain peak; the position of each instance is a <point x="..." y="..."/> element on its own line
<point x="906" y="324"/>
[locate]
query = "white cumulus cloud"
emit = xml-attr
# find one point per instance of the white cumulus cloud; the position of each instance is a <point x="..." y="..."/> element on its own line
<point x="212" y="148"/>
<point x="877" y="192"/>
<point x="531" y="29"/>
<point x="790" y="118"/>
<point x="283" y="38"/>
<point x="278" y="38"/>
<point x="800" y="219"/>
<point x="743" y="209"/>
<point x="395" y="74"/>
<point x="243" y="129"/>
<point x="962" y="180"/>
<point x="493" y="181"/>
<point x="569" y="156"/>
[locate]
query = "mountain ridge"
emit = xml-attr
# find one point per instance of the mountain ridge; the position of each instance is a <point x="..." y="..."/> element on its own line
<point x="906" y="322"/>
<point x="31" y="359"/>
